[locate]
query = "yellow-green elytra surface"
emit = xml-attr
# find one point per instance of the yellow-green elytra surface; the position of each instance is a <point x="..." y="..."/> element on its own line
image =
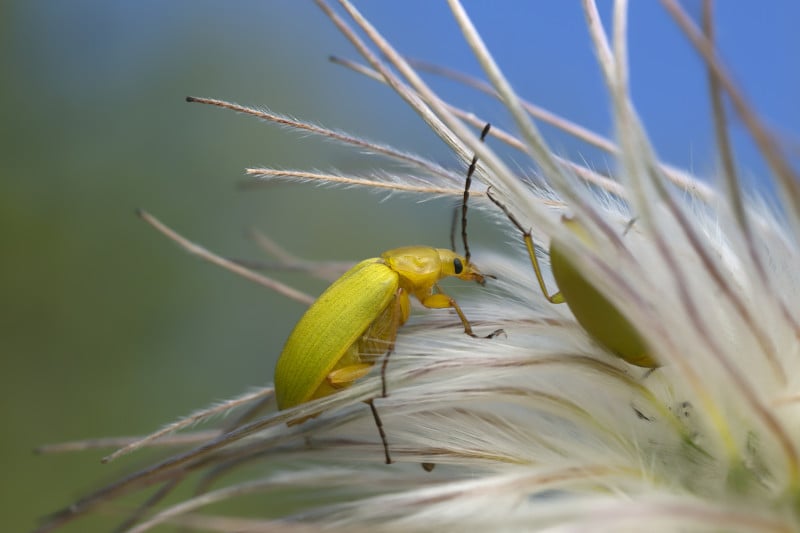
<point x="355" y="321"/>
<point x="599" y="317"/>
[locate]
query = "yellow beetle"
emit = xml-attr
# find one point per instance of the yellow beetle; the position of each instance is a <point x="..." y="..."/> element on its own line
<point x="356" y="319"/>
<point x="599" y="317"/>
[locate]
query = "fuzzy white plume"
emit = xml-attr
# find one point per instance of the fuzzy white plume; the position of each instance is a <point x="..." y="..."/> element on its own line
<point x="543" y="428"/>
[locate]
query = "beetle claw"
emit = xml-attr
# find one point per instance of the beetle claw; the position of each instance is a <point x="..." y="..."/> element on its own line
<point x="495" y="333"/>
<point x="489" y="336"/>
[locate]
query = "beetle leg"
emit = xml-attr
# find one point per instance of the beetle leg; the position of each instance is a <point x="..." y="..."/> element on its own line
<point x="345" y="376"/>
<point x="402" y="308"/>
<point x="441" y="300"/>
<point x="382" y="433"/>
<point x="557" y="297"/>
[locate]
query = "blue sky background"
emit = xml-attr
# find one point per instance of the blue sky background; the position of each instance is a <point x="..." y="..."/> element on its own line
<point x="107" y="329"/>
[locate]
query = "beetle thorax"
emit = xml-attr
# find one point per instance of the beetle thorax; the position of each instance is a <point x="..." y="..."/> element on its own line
<point x="418" y="267"/>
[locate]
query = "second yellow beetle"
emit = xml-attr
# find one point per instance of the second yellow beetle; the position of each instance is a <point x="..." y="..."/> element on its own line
<point x="594" y="312"/>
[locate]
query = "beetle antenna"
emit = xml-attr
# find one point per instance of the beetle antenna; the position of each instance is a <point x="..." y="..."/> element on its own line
<point x="453" y="224"/>
<point x="467" y="184"/>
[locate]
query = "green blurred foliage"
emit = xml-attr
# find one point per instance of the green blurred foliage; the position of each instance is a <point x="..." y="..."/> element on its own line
<point x="106" y="328"/>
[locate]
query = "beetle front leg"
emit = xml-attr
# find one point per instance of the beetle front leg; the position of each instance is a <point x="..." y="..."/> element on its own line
<point x="441" y="300"/>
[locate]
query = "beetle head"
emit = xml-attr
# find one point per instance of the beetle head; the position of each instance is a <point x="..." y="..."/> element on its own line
<point x="458" y="266"/>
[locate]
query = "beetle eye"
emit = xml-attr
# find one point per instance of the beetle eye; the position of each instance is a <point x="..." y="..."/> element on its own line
<point x="458" y="266"/>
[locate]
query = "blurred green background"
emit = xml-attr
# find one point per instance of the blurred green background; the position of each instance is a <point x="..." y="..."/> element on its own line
<point x="106" y="328"/>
